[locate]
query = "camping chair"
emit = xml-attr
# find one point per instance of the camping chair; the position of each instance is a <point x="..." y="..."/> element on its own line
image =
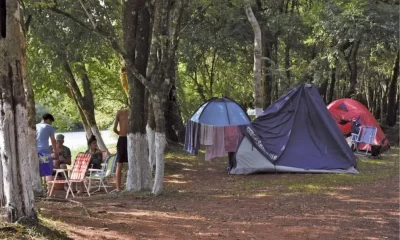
<point x="100" y="174"/>
<point x="78" y="173"/>
<point x="104" y="155"/>
<point x="366" y="135"/>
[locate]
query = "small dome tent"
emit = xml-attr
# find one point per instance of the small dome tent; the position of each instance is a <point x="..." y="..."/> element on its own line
<point x="348" y="110"/>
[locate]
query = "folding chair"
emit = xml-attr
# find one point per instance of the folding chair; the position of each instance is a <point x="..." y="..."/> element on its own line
<point x="366" y="135"/>
<point x="104" y="155"/>
<point x="78" y="174"/>
<point x="100" y="174"/>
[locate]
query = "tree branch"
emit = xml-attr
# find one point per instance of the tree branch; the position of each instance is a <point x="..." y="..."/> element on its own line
<point x="88" y="14"/>
<point x="27" y="23"/>
<point x="110" y="37"/>
<point x="197" y="14"/>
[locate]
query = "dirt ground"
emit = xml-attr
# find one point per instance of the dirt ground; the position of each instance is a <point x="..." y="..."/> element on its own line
<point x="202" y="202"/>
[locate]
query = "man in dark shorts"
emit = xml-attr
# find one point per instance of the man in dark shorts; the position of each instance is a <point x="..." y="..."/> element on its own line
<point x="121" y="120"/>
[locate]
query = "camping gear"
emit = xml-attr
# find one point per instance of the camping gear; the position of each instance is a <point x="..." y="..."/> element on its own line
<point x="347" y="109"/>
<point x="295" y="134"/>
<point x="221" y="112"/>
<point x="78" y="174"/>
<point x="366" y="135"/>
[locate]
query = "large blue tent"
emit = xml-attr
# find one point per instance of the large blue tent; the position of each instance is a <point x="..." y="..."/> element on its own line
<point x="295" y="134"/>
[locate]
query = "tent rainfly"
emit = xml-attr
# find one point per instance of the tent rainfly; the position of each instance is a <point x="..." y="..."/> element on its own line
<point x="295" y="134"/>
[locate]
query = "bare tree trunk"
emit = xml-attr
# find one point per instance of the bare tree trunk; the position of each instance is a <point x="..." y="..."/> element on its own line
<point x="143" y="34"/>
<point x="158" y="102"/>
<point x="175" y="127"/>
<point x="352" y="65"/>
<point x="136" y="41"/>
<point x="86" y="127"/>
<point x="14" y="126"/>
<point x="268" y="79"/>
<point x="150" y="129"/>
<point x="391" y="113"/>
<point x="376" y="102"/>
<point x="382" y="94"/>
<point x="166" y="25"/>
<point x="85" y="102"/>
<point x="396" y="114"/>
<point x="323" y="90"/>
<point x="88" y="106"/>
<point x="31" y="134"/>
<point x="2" y="195"/>
<point x="332" y="85"/>
<point x="370" y="97"/>
<point x="257" y="58"/>
<point x="287" y="61"/>
<point x="276" y="63"/>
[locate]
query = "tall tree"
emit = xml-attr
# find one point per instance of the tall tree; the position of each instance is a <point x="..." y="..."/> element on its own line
<point x="30" y="100"/>
<point x="16" y="187"/>
<point x="257" y="57"/>
<point x="136" y="40"/>
<point x="392" y="110"/>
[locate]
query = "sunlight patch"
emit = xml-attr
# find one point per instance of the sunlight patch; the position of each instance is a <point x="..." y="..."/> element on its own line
<point x="165" y="215"/>
<point x="188" y="169"/>
<point x="176" y="181"/>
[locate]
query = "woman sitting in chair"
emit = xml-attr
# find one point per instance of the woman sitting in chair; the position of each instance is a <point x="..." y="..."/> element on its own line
<point x="97" y="158"/>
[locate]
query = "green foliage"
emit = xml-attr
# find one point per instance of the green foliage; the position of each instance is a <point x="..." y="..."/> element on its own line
<point x="53" y="41"/>
<point x="215" y="53"/>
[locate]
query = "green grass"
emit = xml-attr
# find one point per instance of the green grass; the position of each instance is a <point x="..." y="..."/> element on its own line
<point x="45" y="229"/>
<point x="371" y="170"/>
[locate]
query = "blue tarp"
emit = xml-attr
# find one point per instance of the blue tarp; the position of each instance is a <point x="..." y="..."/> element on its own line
<point x="298" y="131"/>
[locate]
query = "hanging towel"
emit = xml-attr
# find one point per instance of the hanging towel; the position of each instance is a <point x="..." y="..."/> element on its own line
<point x="206" y="136"/>
<point x="218" y="147"/>
<point x="196" y="138"/>
<point x="192" y="137"/>
<point x="232" y="137"/>
<point x="188" y="136"/>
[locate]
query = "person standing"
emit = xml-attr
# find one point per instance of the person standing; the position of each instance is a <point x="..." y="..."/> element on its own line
<point x="232" y="139"/>
<point x="44" y="132"/>
<point x="121" y="121"/>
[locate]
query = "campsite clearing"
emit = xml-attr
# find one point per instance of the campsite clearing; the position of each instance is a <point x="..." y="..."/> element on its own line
<point x="203" y="202"/>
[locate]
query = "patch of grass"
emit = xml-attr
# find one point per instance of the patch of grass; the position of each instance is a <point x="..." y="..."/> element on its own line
<point x="371" y="170"/>
<point x="45" y="229"/>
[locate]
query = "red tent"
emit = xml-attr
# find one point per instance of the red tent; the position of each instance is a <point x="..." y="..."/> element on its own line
<point x="347" y="109"/>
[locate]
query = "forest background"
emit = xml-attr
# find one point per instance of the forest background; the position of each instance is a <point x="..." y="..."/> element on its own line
<point x="348" y="48"/>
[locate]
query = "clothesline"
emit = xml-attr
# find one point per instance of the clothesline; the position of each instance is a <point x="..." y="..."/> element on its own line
<point x="217" y="140"/>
